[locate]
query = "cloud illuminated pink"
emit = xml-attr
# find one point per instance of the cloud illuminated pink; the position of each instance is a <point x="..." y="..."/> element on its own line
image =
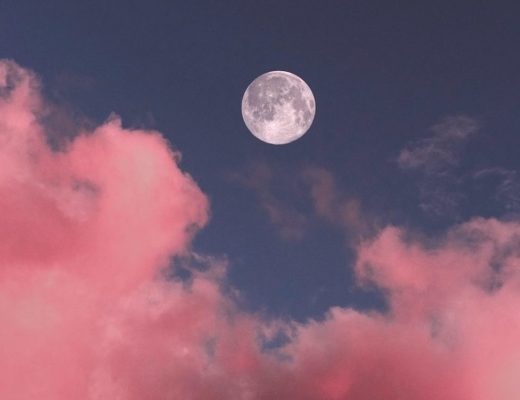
<point x="86" y="315"/>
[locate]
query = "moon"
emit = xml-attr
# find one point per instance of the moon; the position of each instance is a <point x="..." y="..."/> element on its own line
<point x="278" y="107"/>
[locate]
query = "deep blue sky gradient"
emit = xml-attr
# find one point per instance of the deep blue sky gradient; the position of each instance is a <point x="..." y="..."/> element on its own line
<point x="382" y="73"/>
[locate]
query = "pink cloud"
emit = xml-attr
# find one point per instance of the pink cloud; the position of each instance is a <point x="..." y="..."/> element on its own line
<point x="330" y="204"/>
<point x="85" y="315"/>
<point x="80" y="229"/>
<point x="259" y="176"/>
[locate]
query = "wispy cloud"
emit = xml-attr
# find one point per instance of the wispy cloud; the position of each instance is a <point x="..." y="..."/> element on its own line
<point x="331" y="204"/>
<point x="506" y="186"/>
<point x="445" y="185"/>
<point x="434" y="159"/>
<point x="259" y="176"/>
<point x="438" y="153"/>
<point x="311" y="183"/>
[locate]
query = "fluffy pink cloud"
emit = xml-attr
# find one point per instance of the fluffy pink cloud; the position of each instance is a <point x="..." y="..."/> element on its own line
<point x="85" y="314"/>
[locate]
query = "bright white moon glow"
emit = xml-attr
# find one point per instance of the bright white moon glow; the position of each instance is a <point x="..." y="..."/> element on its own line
<point x="278" y="107"/>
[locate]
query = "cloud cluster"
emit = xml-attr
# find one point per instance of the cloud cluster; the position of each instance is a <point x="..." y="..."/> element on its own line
<point x="80" y="229"/>
<point x="86" y="315"/>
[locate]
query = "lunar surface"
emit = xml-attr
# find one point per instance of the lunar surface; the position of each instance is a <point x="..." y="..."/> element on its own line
<point x="278" y="107"/>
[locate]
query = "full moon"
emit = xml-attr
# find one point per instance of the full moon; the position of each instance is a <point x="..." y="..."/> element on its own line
<point x="278" y="107"/>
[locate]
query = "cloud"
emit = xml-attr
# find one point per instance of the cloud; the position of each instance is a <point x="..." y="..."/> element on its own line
<point x="333" y="206"/>
<point x="80" y="229"/>
<point x="506" y="186"/>
<point x="436" y="154"/>
<point x="86" y="314"/>
<point x="451" y="331"/>
<point x="434" y="160"/>
<point x="279" y="194"/>
<point x="447" y="186"/>
<point x="291" y="224"/>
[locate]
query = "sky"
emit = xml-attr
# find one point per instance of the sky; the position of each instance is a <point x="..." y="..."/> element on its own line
<point x="152" y="248"/>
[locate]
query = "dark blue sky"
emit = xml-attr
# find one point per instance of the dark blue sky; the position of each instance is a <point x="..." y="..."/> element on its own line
<point x="383" y="73"/>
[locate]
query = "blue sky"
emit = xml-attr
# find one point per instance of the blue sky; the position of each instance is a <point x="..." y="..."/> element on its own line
<point x="438" y="80"/>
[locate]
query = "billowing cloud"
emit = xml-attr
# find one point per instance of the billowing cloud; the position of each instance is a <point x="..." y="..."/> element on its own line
<point x="80" y="229"/>
<point x="450" y="185"/>
<point x="85" y="314"/>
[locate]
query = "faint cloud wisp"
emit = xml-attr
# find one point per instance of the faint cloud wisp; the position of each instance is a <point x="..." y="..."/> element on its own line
<point x="259" y="177"/>
<point x="434" y="160"/>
